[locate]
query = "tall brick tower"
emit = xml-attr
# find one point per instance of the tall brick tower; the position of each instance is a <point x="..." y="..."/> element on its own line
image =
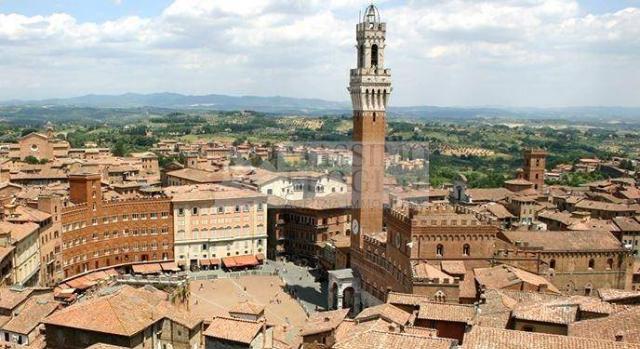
<point x="534" y="165"/>
<point x="370" y="89"/>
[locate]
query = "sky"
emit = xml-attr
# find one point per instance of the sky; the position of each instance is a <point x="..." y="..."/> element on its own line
<point x="537" y="53"/>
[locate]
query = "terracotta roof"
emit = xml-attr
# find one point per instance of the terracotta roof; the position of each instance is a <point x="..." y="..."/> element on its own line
<point x="566" y="240"/>
<point x="18" y="231"/>
<point x="324" y="321"/>
<point x="10" y="298"/>
<point x="384" y="311"/>
<point x="453" y="267"/>
<point x="406" y="298"/>
<point x="612" y="294"/>
<point x="503" y="276"/>
<point x="232" y="329"/>
<point x="495" y="311"/>
<point x="198" y="192"/>
<point x="518" y="181"/>
<point x="34" y="310"/>
<point x="124" y="312"/>
<point x="27" y="214"/>
<point x="627" y="224"/>
<point x="200" y="176"/>
<point x="103" y="346"/>
<point x="424" y="270"/>
<point x="493" y="338"/>
<point x="488" y="194"/>
<point x="625" y="322"/>
<point x="247" y="307"/>
<point x="380" y="339"/>
<point x="447" y="312"/>
<point x="498" y="210"/>
<point x="605" y="206"/>
<point x="563" y="314"/>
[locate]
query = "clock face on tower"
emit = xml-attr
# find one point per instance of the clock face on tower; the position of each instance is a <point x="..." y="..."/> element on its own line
<point x="355" y="227"/>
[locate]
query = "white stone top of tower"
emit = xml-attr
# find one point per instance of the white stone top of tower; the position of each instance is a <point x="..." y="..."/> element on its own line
<point x="370" y="81"/>
<point x="371" y="15"/>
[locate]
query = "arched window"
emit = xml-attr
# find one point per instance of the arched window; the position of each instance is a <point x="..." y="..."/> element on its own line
<point x="552" y="264"/>
<point x="439" y="250"/>
<point x="588" y="288"/>
<point x="360" y="56"/>
<point x="194" y="211"/>
<point x="466" y="249"/>
<point x="592" y="263"/>
<point x="374" y="55"/>
<point x="610" y="263"/>
<point x="440" y="297"/>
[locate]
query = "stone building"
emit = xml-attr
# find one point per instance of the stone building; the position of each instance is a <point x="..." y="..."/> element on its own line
<point x="127" y="317"/>
<point x="577" y="262"/>
<point x="40" y="146"/>
<point x="97" y="233"/>
<point x="213" y="221"/>
<point x="301" y="228"/>
<point x="23" y="253"/>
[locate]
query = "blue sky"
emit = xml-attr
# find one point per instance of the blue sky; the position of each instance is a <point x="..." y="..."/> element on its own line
<point x="100" y="10"/>
<point x="441" y="52"/>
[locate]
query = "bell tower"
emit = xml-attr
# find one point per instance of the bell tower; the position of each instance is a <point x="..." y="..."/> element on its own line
<point x="370" y="88"/>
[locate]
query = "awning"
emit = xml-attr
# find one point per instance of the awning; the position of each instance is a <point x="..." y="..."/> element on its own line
<point x="153" y="268"/>
<point x="81" y="283"/>
<point x="229" y="262"/>
<point x="169" y="266"/>
<point x="205" y="262"/>
<point x="215" y="261"/>
<point x="97" y="276"/>
<point x="246" y="261"/>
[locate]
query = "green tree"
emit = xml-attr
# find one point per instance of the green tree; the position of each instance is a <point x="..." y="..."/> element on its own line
<point x="32" y="160"/>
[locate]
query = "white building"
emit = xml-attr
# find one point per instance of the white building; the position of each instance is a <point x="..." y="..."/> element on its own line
<point x="213" y="222"/>
<point x="23" y="239"/>
<point x="330" y="157"/>
<point x="297" y="185"/>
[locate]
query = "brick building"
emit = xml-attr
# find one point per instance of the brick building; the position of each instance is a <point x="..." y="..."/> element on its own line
<point x="534" y="167"/>
<point x="97" y="233"/>
<point x="301" y="228"/>
<point x="578" y="262"/>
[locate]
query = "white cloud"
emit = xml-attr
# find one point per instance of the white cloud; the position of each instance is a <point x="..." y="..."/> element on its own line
<point x="442" y="52"/>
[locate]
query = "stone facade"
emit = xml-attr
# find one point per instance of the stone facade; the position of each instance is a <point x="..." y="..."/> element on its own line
<point x="213" y="221"/>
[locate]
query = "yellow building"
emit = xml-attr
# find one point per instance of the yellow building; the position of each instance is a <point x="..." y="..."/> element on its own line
<point x="25" y="259"/>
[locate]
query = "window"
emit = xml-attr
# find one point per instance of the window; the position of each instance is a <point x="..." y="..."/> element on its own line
<point x="439" y="250"/>
<point x="260" y="206"/>
<point x="194" y="211"/>
<point x="610" y="263"/>
<point x="440" y="297"/>
<point x="237" y="209"/>
<point x="552" y="264"/>
<point x="374" y="55"/>
<point x="181" y="212"/>
<point x="221" y="209"/>
<point x="269" y="191"/>
<point x="592" y="263"/>
<point x="466" y="249"/>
